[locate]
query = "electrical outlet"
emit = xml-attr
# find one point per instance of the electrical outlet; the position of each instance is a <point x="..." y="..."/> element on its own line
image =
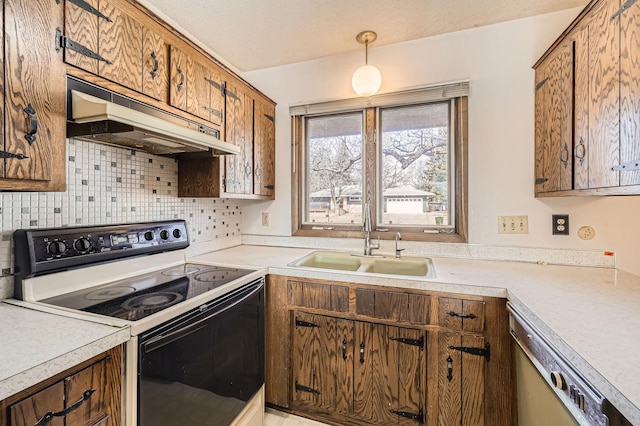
<point x="265" y="218"/>
<point x="513" y="224"/>
<point x="560" y="224"/>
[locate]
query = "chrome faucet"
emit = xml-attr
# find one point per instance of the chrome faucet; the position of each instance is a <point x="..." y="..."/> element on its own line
<point x="398" y="238"/>
<point x="366" y="227"/>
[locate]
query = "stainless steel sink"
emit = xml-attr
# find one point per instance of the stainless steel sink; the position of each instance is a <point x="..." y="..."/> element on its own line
<point x="387" y="265"/>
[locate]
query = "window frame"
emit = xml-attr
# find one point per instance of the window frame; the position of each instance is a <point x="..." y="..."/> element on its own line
<point x="372" y="176"/>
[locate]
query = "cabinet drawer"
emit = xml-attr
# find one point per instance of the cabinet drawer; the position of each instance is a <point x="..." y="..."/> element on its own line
<point x="30" y="410"/>
<point x="328" y="297"/>
<point x="393" y="305"/>
<point x="461" y="314"/>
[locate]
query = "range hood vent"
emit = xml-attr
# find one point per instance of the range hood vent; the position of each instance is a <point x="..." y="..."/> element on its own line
<point x="137" y="126"/>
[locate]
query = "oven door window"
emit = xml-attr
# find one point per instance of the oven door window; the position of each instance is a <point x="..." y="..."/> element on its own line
<point x="202" y="369"/>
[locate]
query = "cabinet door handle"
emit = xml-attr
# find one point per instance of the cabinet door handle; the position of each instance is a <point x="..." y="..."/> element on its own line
<point x="564" y="156"/>
<point x="344" y="348"/>
<point x="449" y="369"/>
<point x="50" y="415"/>
<point x="580" y="151"/>
<point x="459" y="315"/>
<point x="362" y="353"/>
<point x="181" y="83"/>
<point x="156" y="65"/>
<point x="33" y="124"/>
<point x="258" y="172"/>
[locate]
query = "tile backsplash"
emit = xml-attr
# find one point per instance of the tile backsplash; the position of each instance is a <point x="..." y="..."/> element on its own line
<point x="108" y="185"/>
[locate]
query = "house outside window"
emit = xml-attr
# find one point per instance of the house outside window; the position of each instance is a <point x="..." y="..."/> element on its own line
<point x="403" y="153"/>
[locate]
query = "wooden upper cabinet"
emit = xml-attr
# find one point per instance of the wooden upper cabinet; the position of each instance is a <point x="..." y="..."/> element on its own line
<point x="601" y="49"/>
<point x="239" y="171"/>
<point x="630" y="95"/>
<point x="155" y="61"/>
<point x="121" y="44"/>
<point x="178" y="78"/>
<point x="264" y="147"/>
<point x="34" y="98"/>
<point x="553" y="109"/>
<point x="81" y="26"/>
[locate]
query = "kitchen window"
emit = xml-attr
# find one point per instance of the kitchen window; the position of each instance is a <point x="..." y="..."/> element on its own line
<point x="405" y="154"/>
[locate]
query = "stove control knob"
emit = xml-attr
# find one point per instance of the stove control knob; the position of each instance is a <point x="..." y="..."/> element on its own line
<point x="558" y="380"/>
<point x="164" y="234"/>
<point x="177" y="233"/>
<point x="82" y="245"/>
<point x="148" y="235"/>
<point x="57" y="247"/>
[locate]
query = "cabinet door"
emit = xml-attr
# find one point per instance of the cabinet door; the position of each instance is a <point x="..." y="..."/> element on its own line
<point x="30" y="410"/>
<point x="323" y="362"/>
<point x="217" y="103"/>
<point x="389" y="372"/>
<point x="239" y="131"/>
<point x="604" y="96"/>
<point x="178" y="78"/>
<point x="460" y="381"/>
<point x="154" y="66"/>
<point x="264" y="149"/>
<point x="91" y="387"/>
<point x="120" y="42"/>
<point x="198" y="89"/>
<point x="581" y="109"/>
<point x="34" y="105"/>
<point x="630" y="94"/>
<point x="81" y="26"/>
<point x="554" y="121"/>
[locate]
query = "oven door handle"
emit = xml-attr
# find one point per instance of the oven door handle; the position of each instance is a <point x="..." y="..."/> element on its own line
<point x="165" y="339"/>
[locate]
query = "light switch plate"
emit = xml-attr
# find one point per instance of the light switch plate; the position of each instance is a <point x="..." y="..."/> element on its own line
<point x="513" y="224"/>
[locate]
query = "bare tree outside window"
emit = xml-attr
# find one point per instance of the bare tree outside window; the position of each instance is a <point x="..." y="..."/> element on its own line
<point x="334" y="169"/>
<point x="414" y="165"/>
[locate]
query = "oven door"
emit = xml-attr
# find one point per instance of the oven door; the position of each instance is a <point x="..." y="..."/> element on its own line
<point x="203" y="367"/>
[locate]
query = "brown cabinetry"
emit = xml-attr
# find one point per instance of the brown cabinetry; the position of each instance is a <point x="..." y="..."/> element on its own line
<point x="33" y="149"/>
<point x="358" y="354"/>
<point x="264" y="148"/>
<point x="85" y="395"/>
<point x="155" y="72"/>
<point x="587" y="113"/>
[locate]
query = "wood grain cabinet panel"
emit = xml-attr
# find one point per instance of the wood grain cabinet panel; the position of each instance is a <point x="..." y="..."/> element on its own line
<point x="326" y="297"/>
<point x="264" y="149"/>
<point x="155" y="61"/>
<point x="82" y="26"/>
<point x="239" y="131"/>
<point x="461" y="314"/>
<point x="120" y="43"/>
<point x="393" y="305"/>
<point x="602" y="50"/>
<point x="86" y="395"/>
<point x="34" y="107"/>
<point x="178" y="78"/>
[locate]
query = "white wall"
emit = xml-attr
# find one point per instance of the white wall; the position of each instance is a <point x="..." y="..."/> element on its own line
<point x="497" y="61"/>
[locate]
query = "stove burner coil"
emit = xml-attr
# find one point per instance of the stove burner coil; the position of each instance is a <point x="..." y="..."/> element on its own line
<point x="153" y="300"/>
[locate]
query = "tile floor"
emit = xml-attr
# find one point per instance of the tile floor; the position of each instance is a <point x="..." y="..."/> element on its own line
<point x="278" y="418"/>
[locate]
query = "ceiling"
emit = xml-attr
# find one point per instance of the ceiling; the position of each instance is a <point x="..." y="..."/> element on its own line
<point x="255" y="34"/>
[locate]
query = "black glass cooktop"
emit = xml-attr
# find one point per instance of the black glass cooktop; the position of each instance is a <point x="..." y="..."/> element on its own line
<point x="144" y="295"/>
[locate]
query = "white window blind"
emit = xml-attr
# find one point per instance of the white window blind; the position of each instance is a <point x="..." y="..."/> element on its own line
<point x="424" y="94"/>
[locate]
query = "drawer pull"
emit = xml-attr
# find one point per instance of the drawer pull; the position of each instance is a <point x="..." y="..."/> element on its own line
<point x="156" y="65"/>
<point x="50" y="415"/>
<point x="459" y="315"/>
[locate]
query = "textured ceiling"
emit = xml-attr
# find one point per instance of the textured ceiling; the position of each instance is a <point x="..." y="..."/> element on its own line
<point x="255" y="34"/>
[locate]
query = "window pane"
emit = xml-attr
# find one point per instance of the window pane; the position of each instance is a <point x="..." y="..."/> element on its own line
<point x="415" y="165"/>
<point x="334" y="169"/>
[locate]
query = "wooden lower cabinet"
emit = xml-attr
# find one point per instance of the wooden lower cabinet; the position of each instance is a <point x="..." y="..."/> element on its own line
<point x="344" y="361"/>
<point x="87" y="395"/>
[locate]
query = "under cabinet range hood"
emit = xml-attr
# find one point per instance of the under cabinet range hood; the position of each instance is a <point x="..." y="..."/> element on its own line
<point x="99" y="115"/>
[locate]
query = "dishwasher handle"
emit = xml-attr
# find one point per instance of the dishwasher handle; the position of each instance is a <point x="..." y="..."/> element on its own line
<point x="164" y="339"/>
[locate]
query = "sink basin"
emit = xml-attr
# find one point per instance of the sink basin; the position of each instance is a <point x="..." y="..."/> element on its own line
<point x="417" y="267"/>
<point x="330" y="260"/>
<point x="387" y="265"/>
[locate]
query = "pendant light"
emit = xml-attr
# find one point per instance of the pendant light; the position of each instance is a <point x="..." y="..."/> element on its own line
<point x="367" y="79"/>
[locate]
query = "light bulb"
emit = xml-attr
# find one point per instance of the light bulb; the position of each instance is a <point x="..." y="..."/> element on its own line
<point x="366" y="80"/>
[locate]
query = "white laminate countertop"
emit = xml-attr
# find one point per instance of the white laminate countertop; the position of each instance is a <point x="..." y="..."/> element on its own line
<point x="36" y="345"/>
<point x="591" y="315"/>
